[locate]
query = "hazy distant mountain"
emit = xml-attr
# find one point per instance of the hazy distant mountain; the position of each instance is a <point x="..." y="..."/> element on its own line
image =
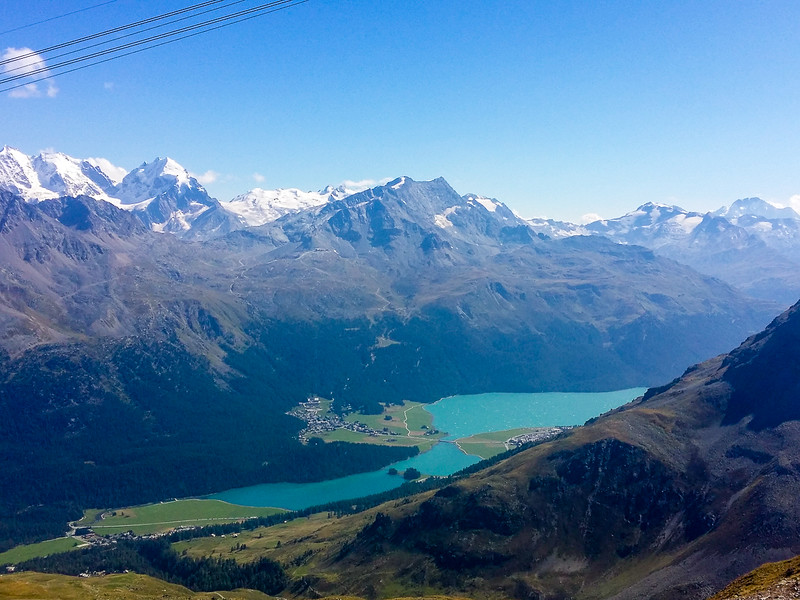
<point x="671" y="496"/>
<point x="755" y="207"/>
<point x="259" y="206"/>
<point x="751" y="252"/>
<point x="556" y="229"/>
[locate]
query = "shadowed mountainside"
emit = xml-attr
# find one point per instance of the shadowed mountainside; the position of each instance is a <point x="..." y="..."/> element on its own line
<point x="673" y="495"/>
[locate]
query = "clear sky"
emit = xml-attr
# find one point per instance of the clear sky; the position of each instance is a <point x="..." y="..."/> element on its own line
<point x="557" y="108"/>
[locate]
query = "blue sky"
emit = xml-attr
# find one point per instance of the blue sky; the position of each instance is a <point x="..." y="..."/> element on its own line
<point x="556" y="108"/>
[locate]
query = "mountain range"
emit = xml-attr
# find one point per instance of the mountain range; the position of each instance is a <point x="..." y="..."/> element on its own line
<point x="751" y="245"/>
<point x="148" y="334"/>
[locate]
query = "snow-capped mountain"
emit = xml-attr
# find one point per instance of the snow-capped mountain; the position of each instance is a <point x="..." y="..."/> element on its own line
<point x="751" y="244"/>
<point x="51" y="175"/>
<point x="739" y="245"/>
<point x="161" y="193"/>
<point x="149" y="180"/>
<point x="259" y="206"/>
<point x="755" y="207"/>
<point x="555" y="229"/>
<point x="164" y="195"/>
<point x="68" y="176"/>
<point x="652" y="225"/>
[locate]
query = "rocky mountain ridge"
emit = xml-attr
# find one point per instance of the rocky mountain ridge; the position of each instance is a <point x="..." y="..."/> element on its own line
<point x="752" y="245"/>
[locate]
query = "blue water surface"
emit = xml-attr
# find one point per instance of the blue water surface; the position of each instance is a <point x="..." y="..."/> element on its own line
<point x="459" y="416"/>
<point x="463" y="416"/>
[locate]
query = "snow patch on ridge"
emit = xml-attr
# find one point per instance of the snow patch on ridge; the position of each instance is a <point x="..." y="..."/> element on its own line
<point x="487" y="203"/>
<point x="442" y="220"/>
<point x="688" y="223"/>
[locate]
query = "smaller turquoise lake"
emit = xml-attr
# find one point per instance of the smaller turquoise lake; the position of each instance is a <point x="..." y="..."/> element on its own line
<point x="459" y="416"/>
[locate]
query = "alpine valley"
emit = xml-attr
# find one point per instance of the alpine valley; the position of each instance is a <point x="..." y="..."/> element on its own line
<point x="153" y="339"/>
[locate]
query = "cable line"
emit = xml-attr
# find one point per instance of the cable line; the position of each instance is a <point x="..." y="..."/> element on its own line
<point x="163" y="43"/>
<point x="121" y="37"/>
<point x="112" y="31"/>
<point x="115" y="49"/>
<point x="74" y="12"/>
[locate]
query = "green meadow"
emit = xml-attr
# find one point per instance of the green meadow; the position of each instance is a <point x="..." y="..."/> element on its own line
<point x="153" y="518"/>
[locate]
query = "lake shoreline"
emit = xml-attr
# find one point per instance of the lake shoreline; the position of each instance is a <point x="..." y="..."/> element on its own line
<point x="462" y="416"/>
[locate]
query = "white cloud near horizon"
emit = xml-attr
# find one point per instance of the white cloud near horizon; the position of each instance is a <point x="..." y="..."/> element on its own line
<point x="115" y="173"/>
<point x="23" y="66"/>
<point x="259" y="178"/>
<point x="590" y="218"/>
<point x="206" y="178"/>
<point x="363" y="184"/>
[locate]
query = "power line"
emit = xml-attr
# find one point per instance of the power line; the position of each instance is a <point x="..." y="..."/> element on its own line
<point x="161" y="36"/>
<point x="121" y="37"/>
<point x="111" y="31"/>
<point x="289" y="4"/>
<point x="74" y="12"/>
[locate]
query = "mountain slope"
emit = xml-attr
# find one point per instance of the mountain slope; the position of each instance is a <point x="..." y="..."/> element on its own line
<point x="418" y="253"/>
<point x="129" y="586"/>
<point x="164" y="358"/>
<point x="671" y="496"/>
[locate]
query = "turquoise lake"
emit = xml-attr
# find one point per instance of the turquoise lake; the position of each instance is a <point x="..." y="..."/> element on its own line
<point x="459" y="416"/>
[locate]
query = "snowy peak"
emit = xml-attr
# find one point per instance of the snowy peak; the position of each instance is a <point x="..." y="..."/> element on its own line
<point x="556" y="229"/>
<point x="52" y="175"/>
<point x="489" y="204"/>
<point x="259" y="206"/>
<point x="149" y="180"/>
<point x="67" y="176"/>
<point x="652" y="213"/>
<point x="755" y="207"/>
<point x="168" y="199"/>
<point x="649" y="220"/>
<point x="17" y="175"/>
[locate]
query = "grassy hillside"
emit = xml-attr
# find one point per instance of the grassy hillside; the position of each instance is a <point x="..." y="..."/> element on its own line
<point x="28" y="551"/>
<point x="127" y="586"/>
<point x="771" y="580"/>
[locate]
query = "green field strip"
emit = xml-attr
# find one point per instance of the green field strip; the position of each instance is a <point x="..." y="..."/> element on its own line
<point x="28" y="551"/>
<point x="489" y="444"/>
<point x="152" y="518"/>
<point x="417" y="416"/>
<point x="354" y="437"/>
